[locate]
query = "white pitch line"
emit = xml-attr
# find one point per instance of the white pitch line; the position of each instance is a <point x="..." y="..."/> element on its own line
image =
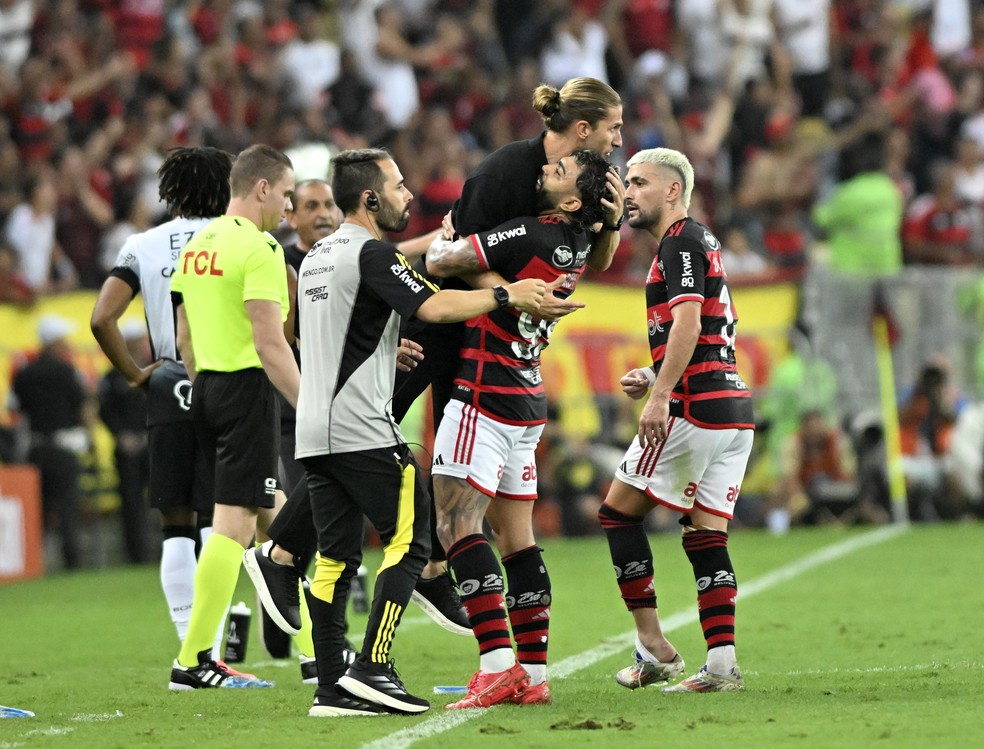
<point x="96" y="717"/>
<point x="447" y="720"/>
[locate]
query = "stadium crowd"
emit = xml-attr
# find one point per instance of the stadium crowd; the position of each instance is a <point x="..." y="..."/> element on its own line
<point x="808" y="124"/>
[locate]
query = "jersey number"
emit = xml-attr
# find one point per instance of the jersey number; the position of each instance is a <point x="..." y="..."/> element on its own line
<point x="728" y="329"/>
<point x="532" y="332"/>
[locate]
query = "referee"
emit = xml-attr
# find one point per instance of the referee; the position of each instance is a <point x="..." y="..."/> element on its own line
<point x="230" y="293"/>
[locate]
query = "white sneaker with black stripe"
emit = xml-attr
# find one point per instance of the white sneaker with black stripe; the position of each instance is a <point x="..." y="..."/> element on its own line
<point x="381" y="684"/>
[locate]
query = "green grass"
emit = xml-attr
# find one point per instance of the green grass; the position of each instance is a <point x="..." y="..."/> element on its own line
<point x="879" y="647"/>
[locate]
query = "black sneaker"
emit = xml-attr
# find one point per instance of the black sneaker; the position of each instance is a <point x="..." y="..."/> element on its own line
<point x="209" y="674"/>
<point x="331" y="702"/>
<point x="275" y="640"/>
<point x="439" y="598"/>
<point x="278" y="586"/>
<point x="309" y="666"/>
<point x="381" y="684"/>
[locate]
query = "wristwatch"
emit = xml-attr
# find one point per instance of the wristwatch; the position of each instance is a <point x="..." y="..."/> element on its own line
<point x="501" y="296"/>
<point x="616" y="226"/>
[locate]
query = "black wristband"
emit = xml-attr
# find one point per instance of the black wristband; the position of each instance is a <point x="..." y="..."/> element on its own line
<point x="616" y="226"/>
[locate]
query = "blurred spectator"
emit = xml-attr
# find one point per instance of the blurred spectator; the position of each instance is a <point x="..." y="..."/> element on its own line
<point x="702" y="37"/>
<point x="951" y="27"/>
<point x="49" y="392"/>
<point x="938" y="227"/>
<point x="30" y="230"/>
<point x="311" y="64"/>
<point x="373" y="32"/>
<point x="84" y="212"/>
<point x="749" y="37"/>
<point x="801" y="381"/>
<point x="897" y="154"/>
<point x="926" y="420"/>
<point x="639" y="26"/>
<point x="969" y="174"/>
<point x="16" y="21"/>
<point x="803" y="30"/>
<point x="778" y="186"/>
<point x="123" y="410"/>
<point x="138" y="25"/>
<point x="863" y="216"/>
<point x="740" y="261"/>
<point x="817" y="475"/>
<point x="576" y="47"/>
<point x="13" y="288"/>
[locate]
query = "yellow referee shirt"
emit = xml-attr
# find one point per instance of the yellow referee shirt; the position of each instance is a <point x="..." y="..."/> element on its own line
<point x="226" y="264"/>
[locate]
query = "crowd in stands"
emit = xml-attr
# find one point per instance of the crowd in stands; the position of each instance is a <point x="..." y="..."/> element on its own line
<point x="780" y="104"/>
<point x="808" y="123"/>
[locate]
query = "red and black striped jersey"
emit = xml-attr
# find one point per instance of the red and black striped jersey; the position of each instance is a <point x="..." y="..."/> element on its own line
<point x="688" y="268"/>
<point x="499" y="373"/>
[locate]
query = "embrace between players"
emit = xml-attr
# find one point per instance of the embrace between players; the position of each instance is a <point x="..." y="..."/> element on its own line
<point x="531" y="218"/>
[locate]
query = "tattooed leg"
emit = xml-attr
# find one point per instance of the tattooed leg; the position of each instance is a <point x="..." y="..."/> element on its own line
<point x="460" y="509"/>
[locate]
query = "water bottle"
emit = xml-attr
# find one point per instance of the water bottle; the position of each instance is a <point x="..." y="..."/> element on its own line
<point x="359" y="592"/>
<point x="238" y="637"/>
<point x="14" y="712"/>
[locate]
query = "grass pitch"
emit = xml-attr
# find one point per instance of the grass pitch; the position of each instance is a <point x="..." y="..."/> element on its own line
<point x="847" y="638"/>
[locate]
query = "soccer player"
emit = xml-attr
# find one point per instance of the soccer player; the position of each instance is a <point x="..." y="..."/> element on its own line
<point x="230" y="294"/>
<point x="695" y="431"/>
<point x="585" y="113"/>
<point x="352" y="291"/>
<point x="194" y="184"/>
<point x="484" y="449"/>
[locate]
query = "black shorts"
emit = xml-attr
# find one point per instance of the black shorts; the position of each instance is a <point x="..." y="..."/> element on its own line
<point x="179" y="475"/>
<point x="237" y="420"/>
<point x="384" y="485"/>
<point x="168" y="394"/>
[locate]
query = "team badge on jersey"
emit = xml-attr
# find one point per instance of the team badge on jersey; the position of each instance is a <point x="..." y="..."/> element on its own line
<point x="563" y="256"/>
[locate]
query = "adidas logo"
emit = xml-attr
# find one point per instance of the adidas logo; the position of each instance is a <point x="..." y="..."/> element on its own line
<point x="624" y="468"/>
<point x="439" y="460"/>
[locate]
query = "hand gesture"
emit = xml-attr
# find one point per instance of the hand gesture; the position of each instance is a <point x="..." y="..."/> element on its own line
<point x="615" y="203"/>
<point x="527" y="295"/>
<point x="553" y="307"/>
<point x="635" y="384"/>
<point x="408" y="353"/>
<point x="447" y="226"/>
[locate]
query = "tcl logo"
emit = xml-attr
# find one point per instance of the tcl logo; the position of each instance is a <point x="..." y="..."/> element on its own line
<point x="203" y="262"/>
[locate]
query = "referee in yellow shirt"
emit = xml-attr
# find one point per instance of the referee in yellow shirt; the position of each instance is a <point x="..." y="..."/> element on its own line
<point x="230" y="294"/>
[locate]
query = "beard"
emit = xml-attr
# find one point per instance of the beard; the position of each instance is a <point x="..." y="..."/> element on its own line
<point x="544" y="201"/>
<point x="391" y="220"/>
<point x="645" y="220"/>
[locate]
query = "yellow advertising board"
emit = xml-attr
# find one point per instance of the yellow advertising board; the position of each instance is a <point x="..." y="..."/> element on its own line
<point x="589" y="350"/>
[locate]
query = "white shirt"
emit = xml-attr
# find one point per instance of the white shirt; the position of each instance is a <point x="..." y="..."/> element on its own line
<point x="33" y="238"/>
<point x="804" y="30"/>
<point x="311" y="67"/>
<point x="568" y="56"/>
<point x="148" y="259"/>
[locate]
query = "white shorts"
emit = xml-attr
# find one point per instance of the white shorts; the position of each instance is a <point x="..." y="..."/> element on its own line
<point x="496" y="458"/>
<point x="692" y="467"/>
